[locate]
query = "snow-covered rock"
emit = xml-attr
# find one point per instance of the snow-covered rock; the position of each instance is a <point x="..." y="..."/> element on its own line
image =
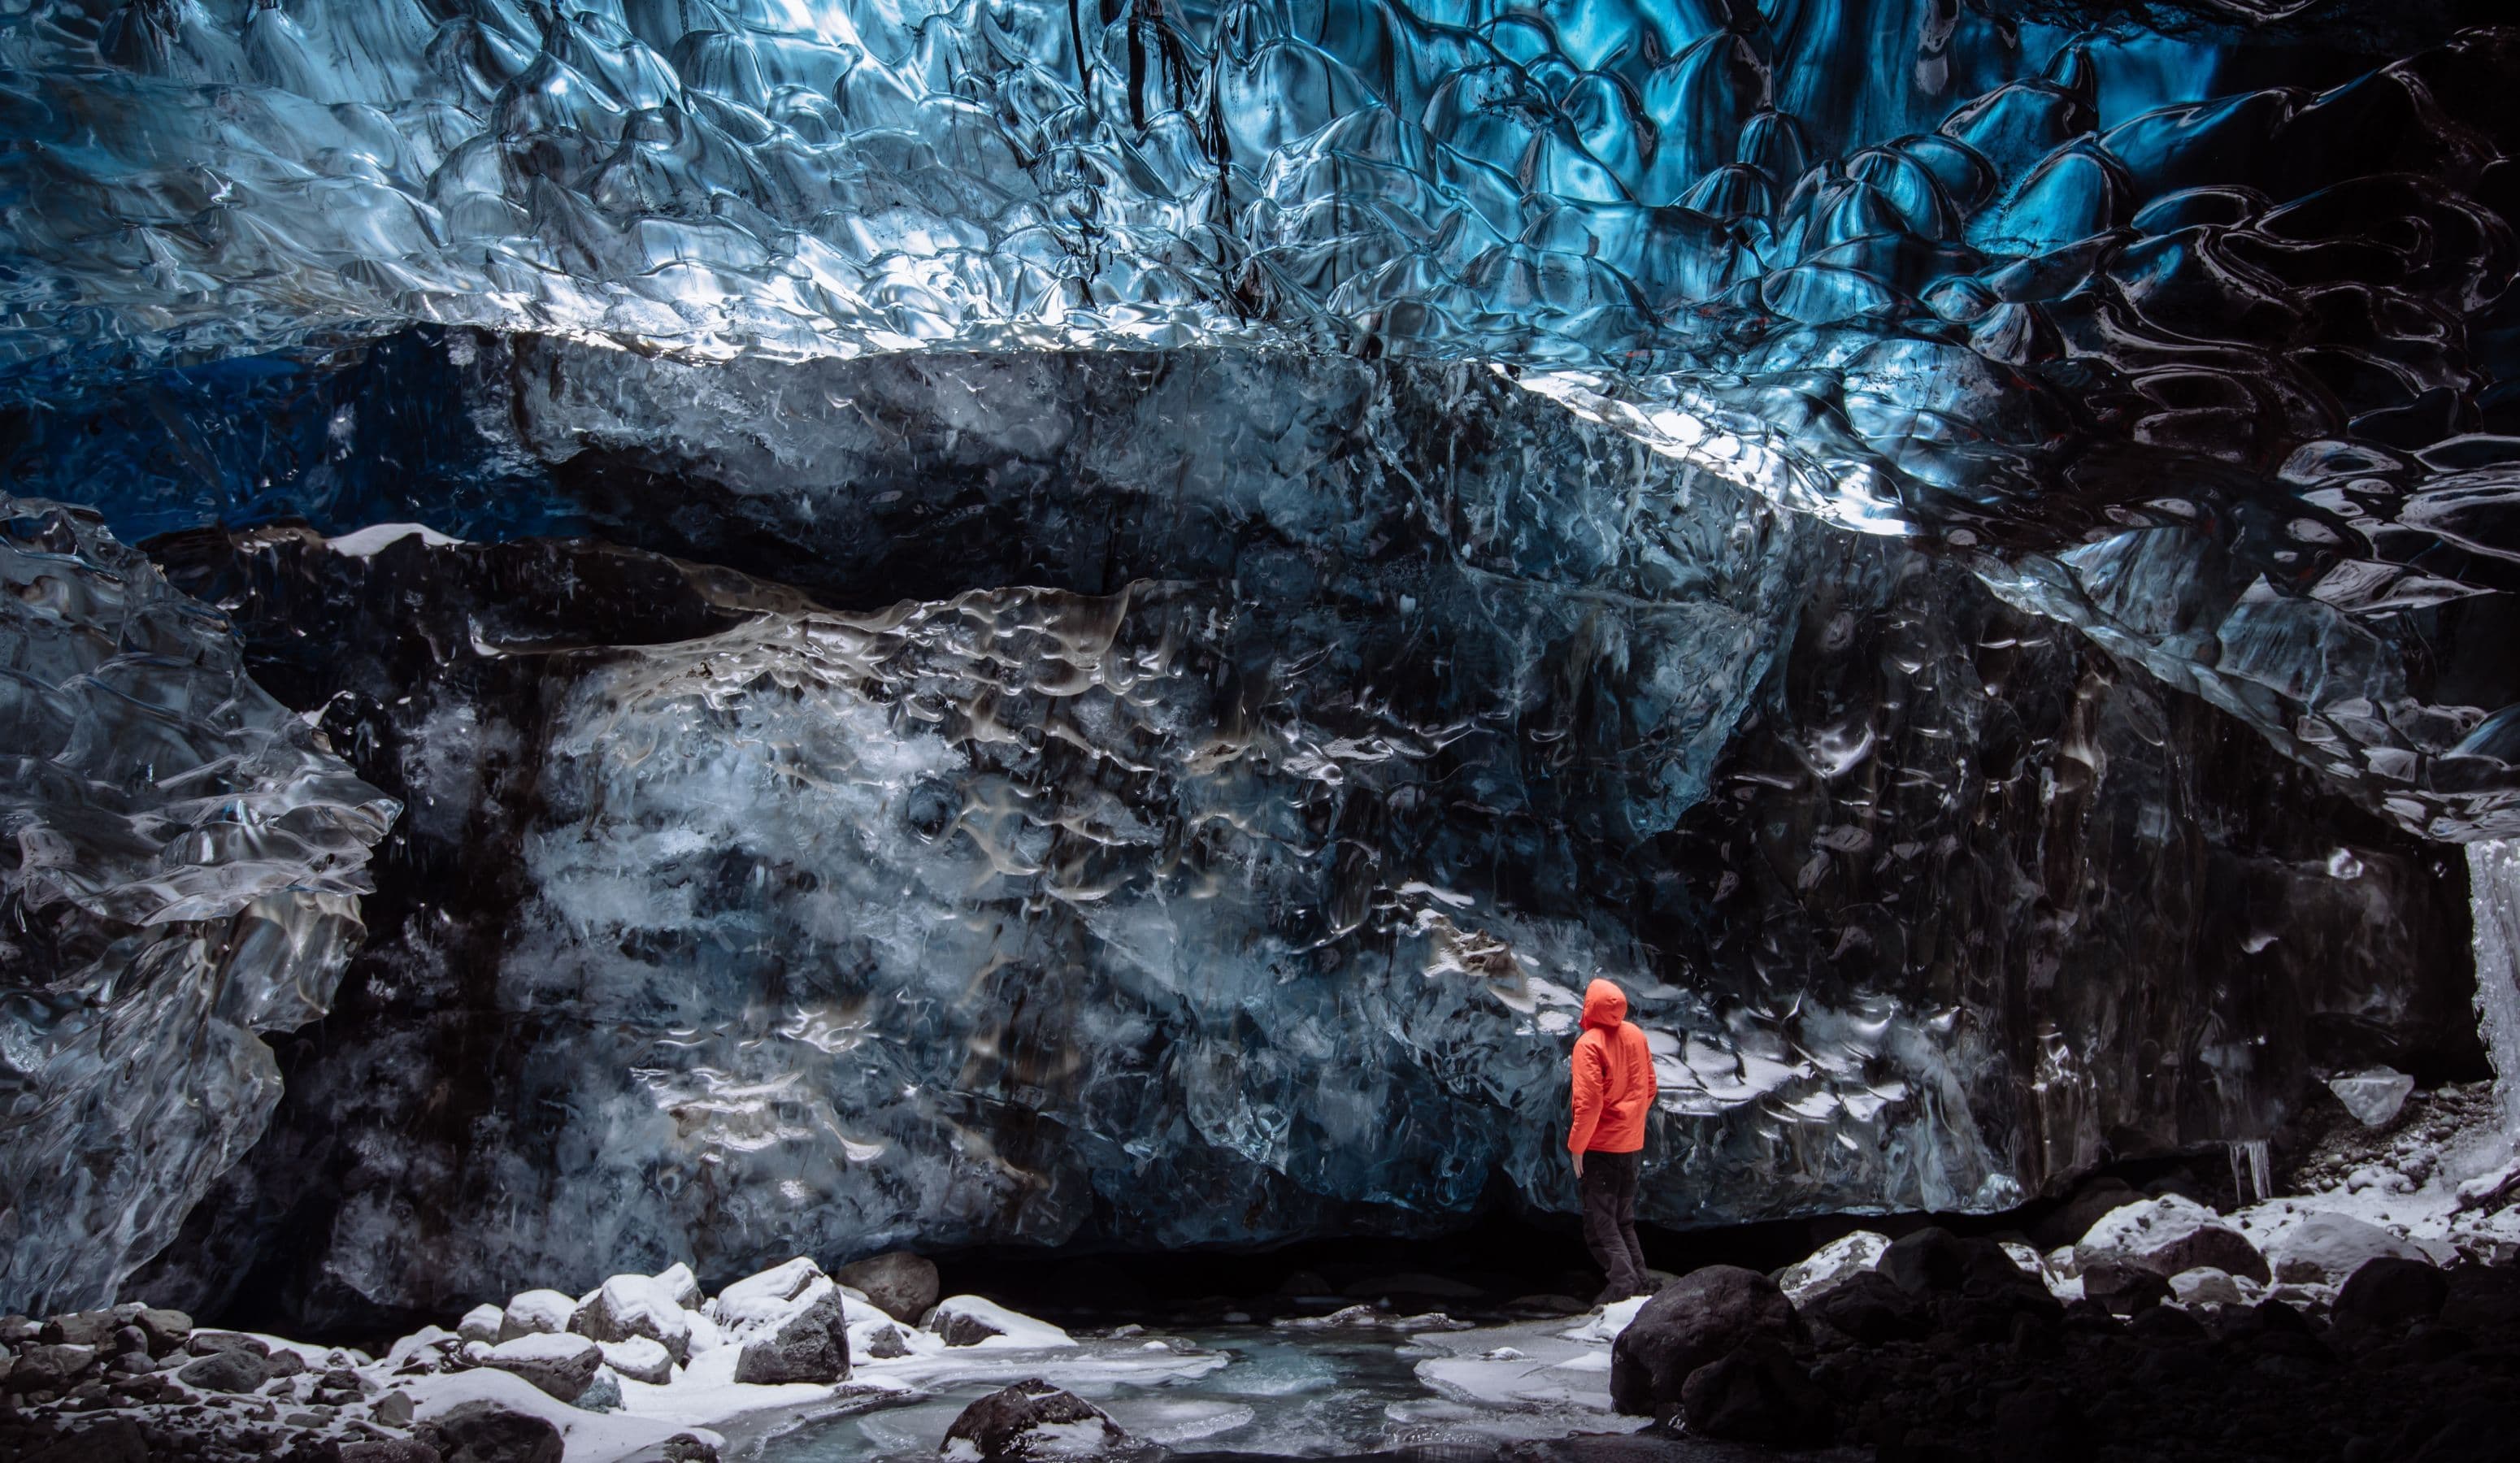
<point x="969" y="1321"/>
<point x="481" y="1324"/>
<point x="758" y="1299"/>
<point x="810" y="1343"/>
<point x="536" y="1312"/>
<point x="642" y="1358"/>
<point x="1831" y="1264"/>
<point x="627" y="1305"/>
<point x="677" y="1281"/>
<point x="2168" y="1235"/>
<point x="2206" y="1286"/>
<point x="558" y="1363"/>
<point x="1030" y="1422"/>
<point x="2320" y="1247"/>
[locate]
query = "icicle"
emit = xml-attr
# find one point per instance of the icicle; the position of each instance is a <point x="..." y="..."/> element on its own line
<point x="2493" y="905"/>
<point x="2252" y="1172"/>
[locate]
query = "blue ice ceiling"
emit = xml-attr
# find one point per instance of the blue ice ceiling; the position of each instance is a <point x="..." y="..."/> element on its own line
<point x="2052" y="295"/>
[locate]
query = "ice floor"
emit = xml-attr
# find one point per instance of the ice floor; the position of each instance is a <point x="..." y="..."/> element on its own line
<point x="1258" y="1390"/>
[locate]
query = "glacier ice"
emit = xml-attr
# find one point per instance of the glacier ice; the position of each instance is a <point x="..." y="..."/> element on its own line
<point x="180" y="861"/>
<point x="2027" y="279"/>
<point x="1259" y="879"/>
<point x="1172" y="575"/>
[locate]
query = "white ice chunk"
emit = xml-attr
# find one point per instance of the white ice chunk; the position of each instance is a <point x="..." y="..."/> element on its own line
<point x="2372" y="1096"/>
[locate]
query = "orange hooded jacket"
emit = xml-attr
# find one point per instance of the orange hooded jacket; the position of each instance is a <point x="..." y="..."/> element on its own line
<point x="1614" y="1080"/>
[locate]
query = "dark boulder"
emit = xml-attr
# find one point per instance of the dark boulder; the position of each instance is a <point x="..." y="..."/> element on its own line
<point x="1757" y="1393"/>
<point x="235" y="1370"/>
<point x="52" y="1368"/>
<point x="82" y="1328"/>
<point x="2209" y="1247"/>
<point x="1868" y="1307"/>
<point x="811" y="1345"/>
<point x="487" y="1433"/>
<point x="898" y="1283"/>
<point x="1696" y="1320"/>
<point x="2388" y="1293"/>
<point x="2482" y="1298"/>
<point x="1008" y="1425"/>
<point x="1936" y="1261"/>
<point x="2122" y="1286"/>
<point x="2090" y="1204"/>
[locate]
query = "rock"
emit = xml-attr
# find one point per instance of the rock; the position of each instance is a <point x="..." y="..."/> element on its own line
<point x="898" y="1283"/>
<point x="55" y="1366"/>
<point x="2389" y="1292"/>
<point x="19" y="1330"/>
<point x="885" y="1343"/>
<point x="127" y="1340"/>
<point x="810" y="1345"/>
<point x="1757" y="1393"/>
<point x="483" y="1323"/>
<point x="536" y="1312"/>
<point x="682" y="1447"/>
<point x="115" y="1440"/>
<point x="603" y="1394"/>
<point x="393" y="1410"/>
<point x="1032" y="1421"/>
<point x="388" y="1450"/>
<point x="2206" y="1286"/>
<point x="628" y="1305"/>
<point x="283" y="1362"/>
<point x="2482" y="1298"/>
<point x="2170" y="1234"/>
<point x="2092" y="1203"/>
<point x="677" y="1281"/>
<point x="211" y="1342"/>
<point x="961" y="1328"/>
<point x="641" y="1359"/>
<point x="1867" y="1307"/>
<point x="2326" y="1248"/>
<point x="1935" y="1261"/>
<point x="2125" y="1287"/>
<point x="1704" y="1316"/>
<point x="767" y="1296"/>
<point x="559" y="1364"/>
<point x="83" y="1328"/>
<point x="487" y="1433"/>
<point x="235" y="1369"/>
<point x="2374" y="1095"/>
<point x="1832" y="1264"/>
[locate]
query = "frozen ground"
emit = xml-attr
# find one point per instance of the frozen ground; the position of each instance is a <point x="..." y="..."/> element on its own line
<point x="1252" y="1389"/>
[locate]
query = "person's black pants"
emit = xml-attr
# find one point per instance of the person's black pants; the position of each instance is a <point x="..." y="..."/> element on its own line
<point x="1609" y="1190"/>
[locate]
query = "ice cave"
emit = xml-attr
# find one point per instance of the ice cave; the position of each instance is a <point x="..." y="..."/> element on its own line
<point x="865" y="730"/>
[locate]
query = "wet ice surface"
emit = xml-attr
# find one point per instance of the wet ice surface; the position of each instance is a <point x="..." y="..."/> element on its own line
<point x="1257" y="1389"/>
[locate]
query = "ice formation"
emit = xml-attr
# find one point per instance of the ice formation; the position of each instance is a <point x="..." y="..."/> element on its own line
<point x="1178" y="574"/>
<point x="180" y="861"/>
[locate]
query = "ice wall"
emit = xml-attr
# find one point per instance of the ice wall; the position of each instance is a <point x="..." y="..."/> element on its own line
<point x="2493" y="884"/>
<point x="1236" y="887"/>
<point x="180" y="861"/>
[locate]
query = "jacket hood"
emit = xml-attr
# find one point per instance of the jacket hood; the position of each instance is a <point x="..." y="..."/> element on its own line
<point x="1606" y="1006"/>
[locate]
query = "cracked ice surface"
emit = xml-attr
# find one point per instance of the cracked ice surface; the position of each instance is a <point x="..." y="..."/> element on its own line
<point x="180" y="861"/>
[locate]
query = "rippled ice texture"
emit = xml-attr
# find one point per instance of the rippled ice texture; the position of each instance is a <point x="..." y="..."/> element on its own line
<point x="179" y="865"/>
<point x="1196" y="826"/>
<point x="2220" y="373"/>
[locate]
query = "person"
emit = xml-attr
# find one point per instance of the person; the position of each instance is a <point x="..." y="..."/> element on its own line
<point x="1614" y="1090"/>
